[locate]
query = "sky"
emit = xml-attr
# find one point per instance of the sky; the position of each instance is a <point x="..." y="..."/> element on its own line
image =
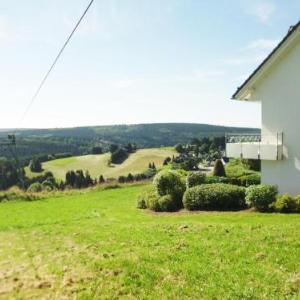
<point x="135" y="61"/>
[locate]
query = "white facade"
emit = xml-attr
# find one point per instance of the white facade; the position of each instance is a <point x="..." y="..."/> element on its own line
<point x="277" y="85"/>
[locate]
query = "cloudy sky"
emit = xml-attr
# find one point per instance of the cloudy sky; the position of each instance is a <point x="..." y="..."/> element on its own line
<point x="135" y="61"/>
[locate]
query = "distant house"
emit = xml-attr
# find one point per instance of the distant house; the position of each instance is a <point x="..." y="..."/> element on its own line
<point x="276" y="84"/>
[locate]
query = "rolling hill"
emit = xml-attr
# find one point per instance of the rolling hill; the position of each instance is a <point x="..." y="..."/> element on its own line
<point x="80" y="140"/>
<point x="98" y="164"/>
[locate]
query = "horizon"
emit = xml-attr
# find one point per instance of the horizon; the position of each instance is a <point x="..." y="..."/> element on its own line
<point x="129" y="124"/>
<point x="136" y="62"/>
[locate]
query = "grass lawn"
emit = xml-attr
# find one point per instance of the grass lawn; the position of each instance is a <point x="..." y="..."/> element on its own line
<point x="98" y="164"/>
<point x="97" y="245"/>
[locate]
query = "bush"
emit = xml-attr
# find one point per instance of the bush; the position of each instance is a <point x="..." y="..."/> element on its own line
<point x="252" y="179"/>
<point x="167" y="203"/>
<point x="286" y="204"/>
<point x="141" y="203"/>
<point x="47" y="185"/>
<point x="236" y="169"/>
<point x="219" y="169"/>
<point x="18" y="195"/>
<point x="216" y="179"/>
<point x="35" y="188"/>
<point x="297" y="200"/>
<point x="217" y="196"/>
<point x="169" y="182"/>
<point x="150" y="199"/>
<point x="194" y="179"/>
<point x="261" y="196"/>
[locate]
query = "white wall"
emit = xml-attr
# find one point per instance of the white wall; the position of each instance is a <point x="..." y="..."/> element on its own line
<point x="279" y="93"/>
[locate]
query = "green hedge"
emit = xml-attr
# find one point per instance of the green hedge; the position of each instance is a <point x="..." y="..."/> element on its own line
<point x="261" y="196"/>
<point x="248" y="180"/>
<point x="217" y="179"/>
<point x="168" y="182"/>
<point x="194" y="179"/>
<point x="219" y="196"/>
<point x="286" y="204"/>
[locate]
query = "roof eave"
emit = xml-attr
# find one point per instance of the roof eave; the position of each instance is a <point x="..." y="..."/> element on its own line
<point x="246" y="88"/>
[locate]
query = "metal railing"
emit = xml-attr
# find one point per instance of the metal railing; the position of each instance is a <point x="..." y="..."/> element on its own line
<point x="276" y="139"/>
<point x="255" y="145"/>
<point x="243" y="138"/>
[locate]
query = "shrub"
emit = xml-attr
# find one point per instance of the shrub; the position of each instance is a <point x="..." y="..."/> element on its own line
<point x="219" y="169"/>
<point x="261" y="196"/>
<point x="35" y="166"/>
<point x="236" y="169"/>
<point x="169" y="182"/>
<point x="216" y="179"/>
<point x="152" y="200"/>
<point x="286" y="204"/>
<point x="35" y="188"/>
<point x="141" y="203"/>
<point x="47" y="185"/>
<point x="217" y="196"/>
<point x="167" y="203"/>
<point x="252" y="179"/>
<point x="18" y="195"/>
<point x="149" y="199"/>
<point x="194" y="179"/>
<point x="297" y="201"/>
<point x="252" y="164"/>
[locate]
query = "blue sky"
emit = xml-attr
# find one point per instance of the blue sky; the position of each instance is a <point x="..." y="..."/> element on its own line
<point x="136" y="61"/>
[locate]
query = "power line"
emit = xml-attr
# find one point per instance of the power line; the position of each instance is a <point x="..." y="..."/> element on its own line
<point x="51" y="68"/>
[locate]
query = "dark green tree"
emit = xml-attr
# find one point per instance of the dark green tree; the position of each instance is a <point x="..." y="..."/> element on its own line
<point x="219" y="169"/>
<point x="35" y="166"/>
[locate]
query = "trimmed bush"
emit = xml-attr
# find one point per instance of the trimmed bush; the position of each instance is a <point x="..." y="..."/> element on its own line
<point x="141" y="203"/>
<point x="35" y="188"/>
<point x="149" y="199"/>
<point x="216" y="179"/>
<point x="252" y="179"/>
<point x="194" y="179"/>
<point x="286" y="204"/>
<point x="219" y="169"/>
<point x="169" y="182"/>
<point x="167" y="203"/>
<point x="219" y="196"/>
<point x="261" y="196"/>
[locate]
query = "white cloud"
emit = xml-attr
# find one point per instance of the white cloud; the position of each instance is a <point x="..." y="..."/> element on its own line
<point x="262" y="44"/>
<point x="262" y="10"/>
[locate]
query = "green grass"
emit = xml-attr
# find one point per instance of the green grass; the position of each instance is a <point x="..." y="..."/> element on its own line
<point x="98" y="164"/>
<point x="97" y="245"/>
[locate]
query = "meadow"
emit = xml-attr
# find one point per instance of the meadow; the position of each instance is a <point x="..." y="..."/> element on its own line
<point x="98" y="164"/>
<point x="96" y="244"/>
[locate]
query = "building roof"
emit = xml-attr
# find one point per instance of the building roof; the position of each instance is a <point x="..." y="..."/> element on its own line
<point x="291" y="31"/>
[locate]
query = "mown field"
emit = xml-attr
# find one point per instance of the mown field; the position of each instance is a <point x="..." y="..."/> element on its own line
<point x="98" y="164"/>
<point x="97" y="245"/>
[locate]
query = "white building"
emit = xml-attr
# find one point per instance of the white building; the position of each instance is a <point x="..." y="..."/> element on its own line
<point x="276" y="84"/>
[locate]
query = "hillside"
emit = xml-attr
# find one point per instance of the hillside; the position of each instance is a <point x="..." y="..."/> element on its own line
<point x="80" y="140"/>
<point x="98" y="164"/>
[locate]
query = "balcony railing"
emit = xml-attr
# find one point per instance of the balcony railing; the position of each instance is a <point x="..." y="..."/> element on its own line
<point x="255" y="146"/>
